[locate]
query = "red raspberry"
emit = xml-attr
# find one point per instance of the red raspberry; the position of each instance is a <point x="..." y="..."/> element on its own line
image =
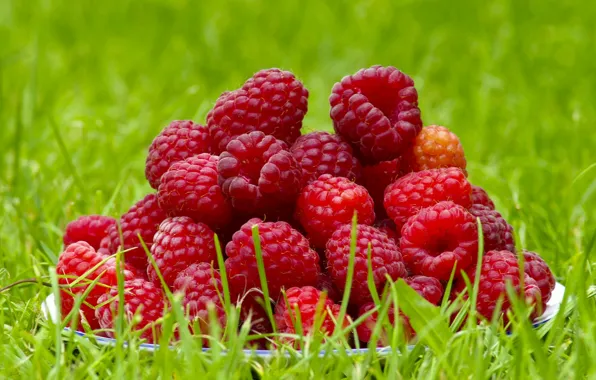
<point x="312" y="307"/>
<point x="385" y="258"/>
<point x="143" y="218"/>
<point x="189" y="188"/>
<point x="436" y="147"/>
<point x="410" y="193"/>
<point x="179" y="242"/>
<point x="376" y="110"/>
<point x="73" y="264"/>
<point x="141" y="298"/>
<point x="538" y="269"/>
<point x="497" y="269"/>
<point x="257" y="172"/>
<point x="388" y="227"/>
<point x="321" y="153"/>
<point x="287" y="257"/>
<point x="428" y="287"/>
<point x="498" y="234"/>
<point x="89" y="228"/>
<point x="272" y="101"/>
<point x="178" y="141"/>
<point x="376" y="178"/>
<point x="330" y="202"/>
<point x="201" y="285"/>
<point x="439" y="238"/>
<point x="325" y="283"/>
<point x="480" y="197"/>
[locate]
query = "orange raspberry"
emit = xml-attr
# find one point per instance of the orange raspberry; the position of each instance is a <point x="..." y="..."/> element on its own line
<point x="436" y="147"/>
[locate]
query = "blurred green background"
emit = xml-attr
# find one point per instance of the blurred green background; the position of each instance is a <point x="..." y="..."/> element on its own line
<point x="85" y="86"/>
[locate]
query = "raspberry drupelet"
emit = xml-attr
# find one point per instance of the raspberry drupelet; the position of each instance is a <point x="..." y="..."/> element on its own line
<point x="287" y="257"/>
<point x="143" y="219"/>
<point x="141" y="298"/>
<point x="330" y="202"/>
<point x="376" y="110"/>
<point x="497" y="233"/>
<point x="386" y="260"/>
<point x="178" y="141"/>
<point x="259" y="174"/>
<point x="190" y="188"/>
<point x="178" y="243"/>
<point x="408" y="194"/>
<point x="272" y="101"/>
<point x="321" y="153"/>
<point x="88" y="228"/>
<point x="439" y="238"/>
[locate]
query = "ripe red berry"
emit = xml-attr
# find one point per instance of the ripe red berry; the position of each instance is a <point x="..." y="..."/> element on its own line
<point x="88" y="228"/>
<point x="386" y="260"/>
<point x="178" y="243"/>
<point x="178" y="141"/>
<point x="439" y="238"/>
<point x="287" y="257"/>
<point x="143" y="219"/>
<point x="480" y="197"/>
<point x="190" y="188"/>
<point x="272" y="101"/>
<point x="321" y="153"/>
<point x="201" y="286"/>
<point x="538" y="269"/>
<point x="376" y="178"/>
<point x="428" y="287"/>
<point x="314" y="311"/>
<point x="141" y="298"/>
<point x="436" y="147"/>
<point x="330" y="202"/>
<point x="408" y="194"/>
<point x="258" y="173"/>
<point x="497" y="269"/>
<point x="376" y="110"/>
<point x="498" y="234"/>
<point x="79" y="265"/>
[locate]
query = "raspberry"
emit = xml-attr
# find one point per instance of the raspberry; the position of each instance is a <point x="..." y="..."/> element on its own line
<point x="330" y="202"/>
<point x="497" y="269"/>
<point x="178" y="243"/>
<point x="321" y="153"/>
<point x="376" y="178"/>
<point x="257" y="172"/>
<point x="141" y="298"/>
<point x="498" y="234"/>
<point x="287" y="258"/>
<point x="189" y="188"/>
<point x="325" y="283"/>
<point x="178" y="141"/>
<point x="74" y="262"/>
<point x="480" y="197"/>
<point x="428" y="287"/>
<point x="272" y="101"/>
<point x="439" y="238"/>
<point x="312" y="307"/>
<point x="410" y="193"/>
<point x="385" y="258"/>
<point x="388" y="227"/>
<point x="436" y="147"/>
<point x="538" y="269"/>
<point x="89" y="228"/>
<point x="376" y="110"/>
<point x="143" y="218"/>
<point x="201" y="285"/>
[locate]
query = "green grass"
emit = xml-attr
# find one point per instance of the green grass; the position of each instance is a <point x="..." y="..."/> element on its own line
<point x="85" y="86"/>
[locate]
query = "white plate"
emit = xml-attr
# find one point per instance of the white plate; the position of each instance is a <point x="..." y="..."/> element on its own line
<point x="49" y="310"/>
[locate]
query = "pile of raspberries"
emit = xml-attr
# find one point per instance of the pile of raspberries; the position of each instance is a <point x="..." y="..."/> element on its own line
<point x="250" y="165"/>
